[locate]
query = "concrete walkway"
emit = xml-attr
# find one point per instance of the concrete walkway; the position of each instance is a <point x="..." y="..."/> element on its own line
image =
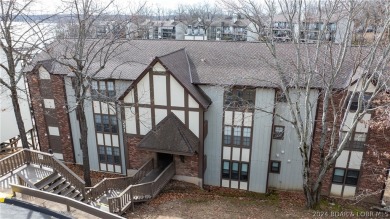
<point x="15" y="212"/>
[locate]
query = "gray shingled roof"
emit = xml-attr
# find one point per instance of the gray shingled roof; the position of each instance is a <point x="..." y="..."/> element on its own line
<point x="213" y="62"/>
<point x="178" y="64"/>
<point x="170" y="136"/>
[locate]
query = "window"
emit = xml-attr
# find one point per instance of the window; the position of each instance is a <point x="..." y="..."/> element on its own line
<point x="114" y="125"/>
<point x="117" y="159"/>
<point x="226" y="170"/>
<point x="98" y="123"/>
<point x="359" y="139"/>
<point x="227" y="135"/>
<point x="280" y="97"/>
<point x="106" y="123"/>
<point x="237" y="98"/>
<point x="237" y="135"/>
<point x="358" y="142"/>
<point x="102" y="154"/>
<point x="103" y="88"/>
<point x="345" y="176"/>
<point x="235" y="169"/>
<point x="94" y="91"/>
<point x="355" y="102"/>
<point x="275" y="166"/>
<point x="110" y="158"/>
<point x="278" y="132"/>
<point x="111" y="89"/>
<point x="244" y="172"/>
<point x="352" y="177"/>
<point x="338" y="176"/>
<point x="246" y="140"/>
<point x="109" y="155"/>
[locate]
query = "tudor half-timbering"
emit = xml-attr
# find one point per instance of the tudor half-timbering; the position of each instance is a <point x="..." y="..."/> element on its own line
<point x="208" y="107"/>
<point x="163" y="113"/>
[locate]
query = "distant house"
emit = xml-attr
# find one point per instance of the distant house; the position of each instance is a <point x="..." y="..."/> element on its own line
<point x="197" y="105"/>
<point x="171" y="30"/>
<point x="228" y="28"/>
<point x="283" y="28"/>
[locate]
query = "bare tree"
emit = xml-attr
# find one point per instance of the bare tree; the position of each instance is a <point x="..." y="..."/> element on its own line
<point x="254" y="12"/>
<point x="21" y="38"/>
<point x="203" y="14"/>
<point x="320" y="65"/>
<point x="86" y="58"/>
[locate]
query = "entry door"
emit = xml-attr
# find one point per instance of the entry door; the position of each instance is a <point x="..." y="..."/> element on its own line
<point x="164" y="160"/>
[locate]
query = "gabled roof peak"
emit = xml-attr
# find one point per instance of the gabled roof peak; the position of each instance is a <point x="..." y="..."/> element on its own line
<point x="171" y="53"/>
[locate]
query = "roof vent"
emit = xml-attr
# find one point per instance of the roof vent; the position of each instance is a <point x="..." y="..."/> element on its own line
<point x="203" y="60"/>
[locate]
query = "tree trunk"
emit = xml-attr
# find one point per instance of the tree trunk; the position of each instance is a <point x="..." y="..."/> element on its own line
<point x="84" y="143"/>
<point x="312" y="196"/>
<point x="18" y="114"/>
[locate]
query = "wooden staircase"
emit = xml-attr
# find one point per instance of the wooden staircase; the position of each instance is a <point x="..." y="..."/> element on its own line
<point x="57" y="184"/>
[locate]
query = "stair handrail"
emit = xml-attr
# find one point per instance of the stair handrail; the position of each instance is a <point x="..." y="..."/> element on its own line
<point x="12" y="162"/>
<point x="163" y="179"/>
<point x="106" y="184"/>
<point x="48" y="160"/>
<point x="125" y="199"/>
<point x="101" y="188"/>
<point x="98" y="213"/>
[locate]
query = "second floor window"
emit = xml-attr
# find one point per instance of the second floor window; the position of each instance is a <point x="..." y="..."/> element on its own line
<point x="106" y="123"/>
<point x="356" y="141"/>
<point x="103" y="89"/>
<point x="240" y="98"/>
<point x="237" y="135"/>
<point x="355" y="102"/>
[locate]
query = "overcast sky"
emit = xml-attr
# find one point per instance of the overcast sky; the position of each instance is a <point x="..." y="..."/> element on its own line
<point x="50" y="6"/>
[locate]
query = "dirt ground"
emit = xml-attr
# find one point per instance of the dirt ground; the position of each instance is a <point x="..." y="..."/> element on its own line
<point x="183" y="200"/>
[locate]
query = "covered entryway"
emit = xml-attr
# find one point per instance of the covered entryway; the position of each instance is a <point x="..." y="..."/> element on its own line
<point x="163" y="159"/>
<point x="172" y="141"/>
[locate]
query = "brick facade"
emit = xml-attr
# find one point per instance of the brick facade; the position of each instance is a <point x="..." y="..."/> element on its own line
<point x="137" y="157"/>
<point x="62" y="116"/>
<point x="375" y="158"/>
<point x="188" y="167"/>
<point x="376" y="161"/>
<point x="37" y="105"/>
<point x="53" y="89"/>
<point x="315" y="150"/>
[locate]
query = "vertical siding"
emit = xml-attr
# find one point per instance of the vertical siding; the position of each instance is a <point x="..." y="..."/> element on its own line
<point x="92" y="145"/>
<point x="74" y="123"/>
<point x="121" y="87"/>
<point x="286" y="150"/>
<point x="121" y="143"/>
<point x="213" y="141"/>
<point x="262" y="129"/>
